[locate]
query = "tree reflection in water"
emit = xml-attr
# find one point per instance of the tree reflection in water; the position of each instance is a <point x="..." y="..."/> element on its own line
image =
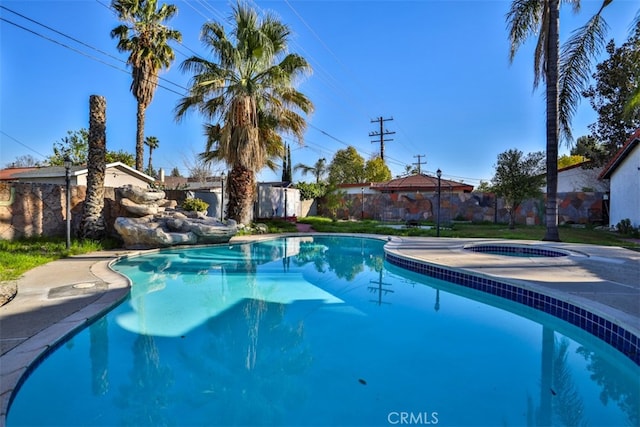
<point x="248" y="371"/>
<point x="613" y="387"/>
<point x="145" y="400"/>
<point x="346" y="258"/>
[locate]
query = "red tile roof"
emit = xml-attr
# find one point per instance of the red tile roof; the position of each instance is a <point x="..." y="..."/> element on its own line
<point x="622" y="153"/>
<point x="421" y="182"/>
<point x="8" y="174"/>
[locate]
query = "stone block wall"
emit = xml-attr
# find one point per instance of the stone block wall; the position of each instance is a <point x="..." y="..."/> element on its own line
<point x="29" y="210"/>
<point x="578" y="208"/>
<point x="32" y="210"/>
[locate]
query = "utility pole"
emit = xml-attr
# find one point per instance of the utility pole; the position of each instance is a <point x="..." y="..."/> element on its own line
<point x="382" y="133"/>
<point x="418" y="163"/>
<point x="380" y="290"/>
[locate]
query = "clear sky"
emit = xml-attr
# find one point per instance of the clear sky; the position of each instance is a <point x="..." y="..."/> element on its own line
<point x="440" y="69"/>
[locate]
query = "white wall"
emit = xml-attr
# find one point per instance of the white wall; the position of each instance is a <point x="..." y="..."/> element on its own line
<point x="271" y="202"/>
<point x="625" y="190"/>
<point x="578" y="178"/>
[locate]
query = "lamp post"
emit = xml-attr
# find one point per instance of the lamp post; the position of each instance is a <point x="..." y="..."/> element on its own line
<point x="439" y="174"/>
<point x="362" y="210"/>
<point x="222" y="198"/>
<point x="67" y="167"/>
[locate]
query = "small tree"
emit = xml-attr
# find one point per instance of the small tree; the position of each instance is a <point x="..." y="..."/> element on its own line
<point x="376" y="170"/>
<point x="333" y="200"/>
<point x="484" y="187"/>
<point x="347" y="167"/>
<point x="76" y="146"/>
<point x="120" y="156"/>
<point x="199" y="168"/>
<point x="24" y="161"/>
<point x="566" y="161"/>
<point x="517" y="178"/>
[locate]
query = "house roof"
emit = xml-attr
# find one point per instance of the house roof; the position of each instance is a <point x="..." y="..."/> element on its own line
<point x="575" y="165"/>
<point x="8" y="174"/>
<point x="622" y="154"/>
<point x="59" y="171"/>
<point x="422" y="182"/>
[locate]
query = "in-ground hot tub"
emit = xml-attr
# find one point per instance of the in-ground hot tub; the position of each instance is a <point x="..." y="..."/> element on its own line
<point x="515" y="250"/>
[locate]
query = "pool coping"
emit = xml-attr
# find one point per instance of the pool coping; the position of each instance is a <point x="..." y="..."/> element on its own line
<point x="612" y="326"/>
<point x="436" y="253"/>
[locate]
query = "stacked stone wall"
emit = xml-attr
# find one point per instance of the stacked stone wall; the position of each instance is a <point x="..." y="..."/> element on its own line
<point x="574" y="207"/>
<point x="29" y="210"/>
<point x="33" y="210"/>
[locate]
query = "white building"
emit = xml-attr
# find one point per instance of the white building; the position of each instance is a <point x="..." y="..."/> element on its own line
<point x="277" y="200"/>
<point x="116" y="175"/>
<point x="581" y="178"/>
<point x="623" y="173"/>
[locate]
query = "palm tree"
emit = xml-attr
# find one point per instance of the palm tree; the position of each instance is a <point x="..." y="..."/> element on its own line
<point x="93" y="225"/>
<point x="319" y="169"/>
<point x="565" y="76"/>
<point x="152" y="142"/>
<point x="146" y="38"/>
<point x="249" y="91"/>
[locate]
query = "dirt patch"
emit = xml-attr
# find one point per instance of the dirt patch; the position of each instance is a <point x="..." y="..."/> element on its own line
<point x="8" y="291"/>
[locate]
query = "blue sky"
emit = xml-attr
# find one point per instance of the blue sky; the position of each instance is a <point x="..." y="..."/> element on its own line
<point x="440" y="69"/>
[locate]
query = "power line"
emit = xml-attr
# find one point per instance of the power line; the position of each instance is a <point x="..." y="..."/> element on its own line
<point x="79" y="51"/>
<point x="23" y="144"/>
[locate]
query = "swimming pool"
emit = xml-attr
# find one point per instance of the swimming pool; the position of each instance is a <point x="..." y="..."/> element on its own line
<point x="320" y="331"/>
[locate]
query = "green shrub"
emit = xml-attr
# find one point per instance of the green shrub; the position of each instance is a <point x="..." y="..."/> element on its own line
<point x="309" y="191"/>
<point x="198" y="205"/>
<point x="625" y="227"/>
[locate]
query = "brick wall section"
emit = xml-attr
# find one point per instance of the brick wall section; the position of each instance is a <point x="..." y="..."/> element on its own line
<point x="28" y="210"/>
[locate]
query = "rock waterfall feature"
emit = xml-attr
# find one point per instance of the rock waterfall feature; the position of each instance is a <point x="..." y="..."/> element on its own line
<point x="155" y="222"/>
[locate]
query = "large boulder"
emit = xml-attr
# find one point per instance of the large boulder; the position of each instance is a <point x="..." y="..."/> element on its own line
<point x="159" y="231"/>
<point x="141" y="195"/>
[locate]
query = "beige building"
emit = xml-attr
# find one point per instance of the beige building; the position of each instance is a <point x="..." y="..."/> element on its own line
<point x="116" y="175"/>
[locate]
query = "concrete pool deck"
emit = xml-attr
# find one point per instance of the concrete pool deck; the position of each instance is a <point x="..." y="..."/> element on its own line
<point x="62" y="296"/>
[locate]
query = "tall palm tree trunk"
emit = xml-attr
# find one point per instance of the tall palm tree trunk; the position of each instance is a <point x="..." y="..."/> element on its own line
<point x="93" y="224"/>
<point x="241" y="187"/>
<point x="553" y="58"/>
<point x="150" y="167"/>
<point x="140" y="136"/>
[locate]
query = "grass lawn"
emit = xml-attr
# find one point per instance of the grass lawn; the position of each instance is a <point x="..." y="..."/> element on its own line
<point x="17" y="257"/>
<point x="467" y="230"/>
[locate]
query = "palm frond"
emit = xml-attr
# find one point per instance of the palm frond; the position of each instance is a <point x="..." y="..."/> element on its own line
<point x="523" y="20"/>
<point x="634" y="24"/>
<point x="575" y="68"/>
<point x="632" y="107"/>
<point x="541" y="51"/>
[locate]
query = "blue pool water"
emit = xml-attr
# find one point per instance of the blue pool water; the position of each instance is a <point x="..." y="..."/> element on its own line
<point x="321" y="331"/>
